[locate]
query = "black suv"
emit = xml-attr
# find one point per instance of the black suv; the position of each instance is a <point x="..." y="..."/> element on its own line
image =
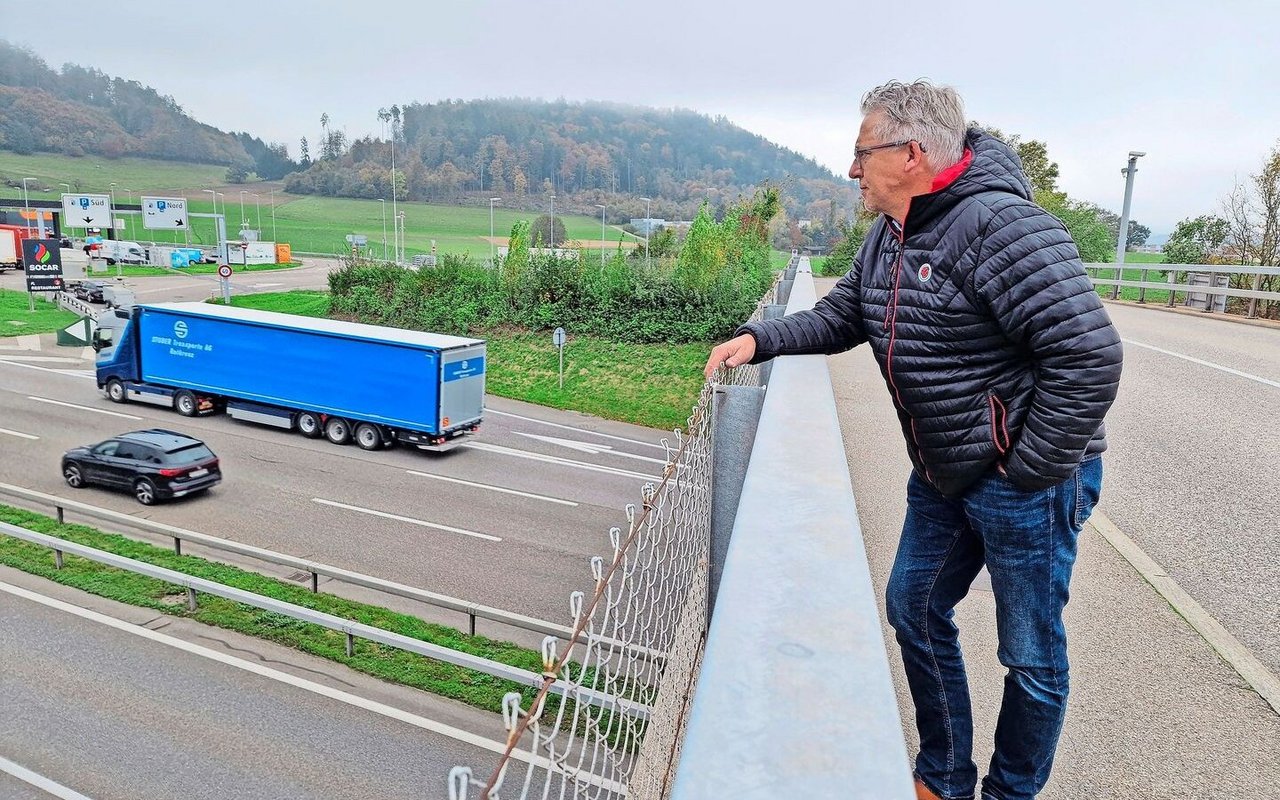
<point x="153" y="464"/>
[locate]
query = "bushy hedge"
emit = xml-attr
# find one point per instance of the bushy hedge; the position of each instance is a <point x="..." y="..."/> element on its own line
<point x="702" y="294"/>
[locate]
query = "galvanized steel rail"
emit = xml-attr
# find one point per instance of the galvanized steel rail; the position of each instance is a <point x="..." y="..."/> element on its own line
<point x="353" y="630"/>
<point x="315" y="568"/>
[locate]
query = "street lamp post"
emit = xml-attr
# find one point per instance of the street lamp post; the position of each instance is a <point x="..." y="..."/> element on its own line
<point x="257" y="202"/>
<point x="492" y="200"/>
<point x="648" y="226"/>
<point x="384" y="228"/>
<point x="244" y="222"/>
<point x="128" y="230"/>
<point x="601" y="207"/>
<point x="552" y="233"/>
<point x="27" y="204"/>
<point x="215" y="213"/>
<point x="1123" y="239"/>
<point x="111" y="223"/>
<point x="273" y="222"/>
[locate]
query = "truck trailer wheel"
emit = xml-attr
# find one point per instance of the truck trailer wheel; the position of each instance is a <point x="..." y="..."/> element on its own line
<point x="337" y="430"/>
<point x="116" y="392"/>
<point x="308" y="424"/>
<point x="184" y="403"/>
<point x="368" y="436"/>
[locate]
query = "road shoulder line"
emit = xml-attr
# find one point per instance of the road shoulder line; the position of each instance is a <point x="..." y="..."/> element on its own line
<point x="1253" y="671"/>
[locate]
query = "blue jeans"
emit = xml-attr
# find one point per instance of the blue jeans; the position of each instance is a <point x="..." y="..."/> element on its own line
<point x="1028" y="542"/>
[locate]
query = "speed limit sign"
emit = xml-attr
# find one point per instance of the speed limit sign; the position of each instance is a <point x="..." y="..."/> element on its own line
<point x="224" y="271"/>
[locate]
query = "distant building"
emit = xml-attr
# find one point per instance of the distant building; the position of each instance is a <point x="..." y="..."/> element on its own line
<point x="647" y="225"/>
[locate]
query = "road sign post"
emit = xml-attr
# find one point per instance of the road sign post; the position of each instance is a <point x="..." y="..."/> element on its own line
<point x="557" y="338"/>
<point x="224" y="278"/>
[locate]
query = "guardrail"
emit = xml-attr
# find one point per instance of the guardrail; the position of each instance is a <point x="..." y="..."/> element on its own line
<point x="315" y="568"/>
<point x="1210" y="292"/>
<point x="353" y="630"/>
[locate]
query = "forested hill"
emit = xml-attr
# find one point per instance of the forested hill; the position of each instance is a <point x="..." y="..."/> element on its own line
<point x="80" y="111"/>
<point x="585" y="152"/>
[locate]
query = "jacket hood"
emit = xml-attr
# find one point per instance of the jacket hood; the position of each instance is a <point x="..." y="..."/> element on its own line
<point x="995" y="168"/>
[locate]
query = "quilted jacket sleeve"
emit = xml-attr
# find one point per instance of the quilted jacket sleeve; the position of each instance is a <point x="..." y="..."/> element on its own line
<point x="1030" y="276"/>
<point x="833" y="325"/>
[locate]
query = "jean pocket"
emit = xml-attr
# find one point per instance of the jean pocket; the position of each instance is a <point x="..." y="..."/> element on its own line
<point x="1088" y="486"/>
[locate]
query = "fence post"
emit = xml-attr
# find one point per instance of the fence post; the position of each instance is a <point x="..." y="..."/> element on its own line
<point x="60" y="519"/>
<point x="1142" y="290"/>
<point x="177" y="546"/>
<point x="1253" y="301"/>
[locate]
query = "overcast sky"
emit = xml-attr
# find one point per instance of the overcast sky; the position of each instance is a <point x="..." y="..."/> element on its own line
<point x="1194" y="84"/>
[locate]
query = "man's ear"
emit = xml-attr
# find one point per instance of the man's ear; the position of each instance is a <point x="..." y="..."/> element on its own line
<point x="915" y="159"/>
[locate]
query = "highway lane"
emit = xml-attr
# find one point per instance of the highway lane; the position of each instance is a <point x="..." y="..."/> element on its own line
<point x="121" y="713"/>
<point x="550" y="505"/>
<point x="1193" y="474"/>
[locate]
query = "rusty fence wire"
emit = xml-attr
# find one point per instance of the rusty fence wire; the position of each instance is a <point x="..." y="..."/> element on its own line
<point x="629" y="669"/>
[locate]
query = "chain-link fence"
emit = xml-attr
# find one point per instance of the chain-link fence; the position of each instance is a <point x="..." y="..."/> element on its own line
<point x="636" y="649"/>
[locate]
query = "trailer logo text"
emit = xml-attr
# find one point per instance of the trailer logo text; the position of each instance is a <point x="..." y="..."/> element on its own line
<point x="180" y="329"/>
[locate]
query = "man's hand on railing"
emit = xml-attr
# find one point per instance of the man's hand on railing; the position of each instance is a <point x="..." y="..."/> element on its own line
<point x="733" y="353"/>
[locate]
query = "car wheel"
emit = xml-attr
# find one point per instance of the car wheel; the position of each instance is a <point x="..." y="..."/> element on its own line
<point x="144" y="491"/>
<point x="308" y="424"/>
<point x="73" y="475"/>
<point x="111" y="262"/>
<point x="368" y="436"/>
<point x="116" y="391"/>
<point x="337" y="430"/>
<point x="184" y="403"/>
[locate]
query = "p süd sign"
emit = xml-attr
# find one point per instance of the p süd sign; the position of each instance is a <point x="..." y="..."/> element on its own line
<point x="43" y="264"/>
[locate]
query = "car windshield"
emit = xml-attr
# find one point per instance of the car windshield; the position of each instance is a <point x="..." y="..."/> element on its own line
<point x="189" y="454"/>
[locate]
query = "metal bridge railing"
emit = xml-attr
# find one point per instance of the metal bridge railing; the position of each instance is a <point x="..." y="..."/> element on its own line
<point x="784" y="689"/>
<point x="1208" y="296"/>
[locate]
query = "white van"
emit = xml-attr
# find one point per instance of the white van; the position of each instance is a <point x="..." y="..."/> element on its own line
<point x="124" y="252"/>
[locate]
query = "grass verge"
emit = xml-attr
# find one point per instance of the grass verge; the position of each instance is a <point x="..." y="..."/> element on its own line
<point x="387" y="663"/>
<point x="16" y="320"/>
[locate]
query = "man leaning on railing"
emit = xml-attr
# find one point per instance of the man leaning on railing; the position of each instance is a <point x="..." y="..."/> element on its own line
<point x="1001" y="363"/>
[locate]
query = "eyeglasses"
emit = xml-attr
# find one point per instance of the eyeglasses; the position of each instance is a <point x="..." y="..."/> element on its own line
<point x="861" y="152"/>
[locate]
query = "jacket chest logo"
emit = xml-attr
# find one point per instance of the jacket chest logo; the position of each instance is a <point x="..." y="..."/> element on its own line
<point x="925" y="272"/>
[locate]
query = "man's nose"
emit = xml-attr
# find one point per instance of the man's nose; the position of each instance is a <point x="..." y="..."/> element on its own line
<point x="855" y="170"/>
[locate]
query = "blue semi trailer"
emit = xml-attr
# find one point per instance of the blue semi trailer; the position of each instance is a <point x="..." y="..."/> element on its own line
<point x="342" y="380"/>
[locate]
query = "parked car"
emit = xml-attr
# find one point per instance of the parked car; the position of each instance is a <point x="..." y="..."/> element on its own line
<point x="154" y="465"/>
<point x="88" y="291"/>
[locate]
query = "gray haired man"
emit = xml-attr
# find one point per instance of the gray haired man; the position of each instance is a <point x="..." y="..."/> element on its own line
<point x="1001" y="363"/>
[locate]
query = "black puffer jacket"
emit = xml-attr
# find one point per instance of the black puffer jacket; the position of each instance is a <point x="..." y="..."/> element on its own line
<point x="992" y="341"/>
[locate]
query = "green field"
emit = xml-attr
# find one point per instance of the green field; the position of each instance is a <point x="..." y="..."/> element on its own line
<point x="1151" y="262"/>
<point x="310" y="224"/>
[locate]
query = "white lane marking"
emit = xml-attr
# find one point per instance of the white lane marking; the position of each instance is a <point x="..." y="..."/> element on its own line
<point x="82" y="408"/>
<point x="1203" y="363"/>
<point x="43" y="359"/>
<point x="571" y="428"/>
<point x="585" y="447"/>
<point x="490" y="488"/>
<point x="78" y="373"/>
<point x="267" y="672"/>
<point x="19" y="434"/>
<point x="39" y="781"/>
<point x="266" y="285"/>
<point x="371" y="512"/>
<point x="511" y="451"/>
<point x="1254" y="672"/>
